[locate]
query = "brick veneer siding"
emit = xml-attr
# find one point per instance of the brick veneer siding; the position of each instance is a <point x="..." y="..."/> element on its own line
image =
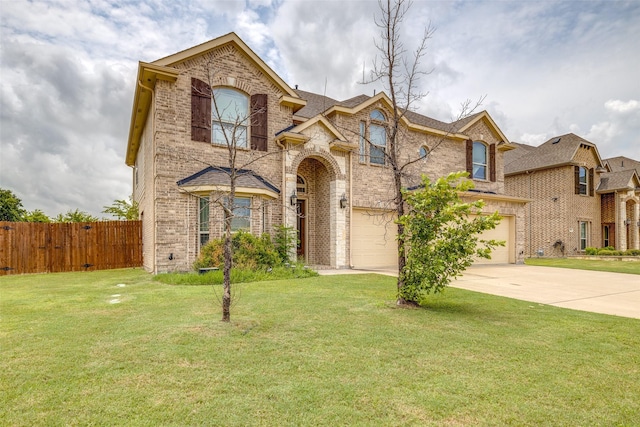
<point x="177" y="156"/>
<point x="167" y="154"/>
<point x="555" y="210"/>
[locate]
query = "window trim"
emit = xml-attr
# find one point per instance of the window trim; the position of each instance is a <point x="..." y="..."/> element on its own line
<point x="377" y="121"/>
<point x="231" y="124"/>
<point x="484" y="165"/>
<point x="583" y="240"/>
<point x="425" y="149"/>
<point x="236" y="216"/>
<point x="204" y="227"/>
<point x="583" y="185"/>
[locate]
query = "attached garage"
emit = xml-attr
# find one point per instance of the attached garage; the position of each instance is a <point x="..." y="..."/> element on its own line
<point x="502" y="254"/>
<point x="373" y="240"/>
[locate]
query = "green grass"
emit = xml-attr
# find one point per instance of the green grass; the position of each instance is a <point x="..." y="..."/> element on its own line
<point x="330" y="350"/>
<point x="614" y="266"/>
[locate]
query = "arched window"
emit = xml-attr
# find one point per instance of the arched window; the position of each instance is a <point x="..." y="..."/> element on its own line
<point x="479" y="160"/>
<point x="423" y="152"/>
<point x="230" y="117"/>
<point x="377" y="137"/>
<point x="301" y="185"/>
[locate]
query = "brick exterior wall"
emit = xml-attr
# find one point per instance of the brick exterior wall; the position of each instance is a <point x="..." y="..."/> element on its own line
<point x="555" y="210"/>
<point x="167" y="154"/>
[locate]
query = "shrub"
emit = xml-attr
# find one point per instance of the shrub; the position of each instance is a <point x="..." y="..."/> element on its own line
<point x="632" y="252"/>
<point x="285" y="240"/>
<point x="591" y="251"/>
<point x="249" y="252"/>
<point x="607" y="252"/>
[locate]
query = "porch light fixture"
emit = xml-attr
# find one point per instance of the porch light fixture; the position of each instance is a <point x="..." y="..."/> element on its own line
<point x="294" y="199"/>
<point x="343" y="201"/>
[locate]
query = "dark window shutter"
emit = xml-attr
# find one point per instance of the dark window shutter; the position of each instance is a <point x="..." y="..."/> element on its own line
<point x="259" y="121"/>
<point x="576" y="170"/>
<point x="492" y="162"/>
<point x="470" y="157"/>
<point x="200" y="111"/>
<point x="591" y="182"/>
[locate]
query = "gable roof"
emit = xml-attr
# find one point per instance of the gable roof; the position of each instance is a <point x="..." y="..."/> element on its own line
<point x="323" y="105"/>
<point x="619" y="180"/>
<point x="162" y="69"/>
<point x="557" y="151"/>
<point x="620" y="163"/>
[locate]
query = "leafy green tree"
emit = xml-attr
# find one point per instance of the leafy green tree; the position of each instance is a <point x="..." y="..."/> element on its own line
<point x="36" y="216"/>
<point x="442" y="238"/>
<point x="10" y="206"/>
<point x="76" y="216"/>
<point x="123" y="209"/>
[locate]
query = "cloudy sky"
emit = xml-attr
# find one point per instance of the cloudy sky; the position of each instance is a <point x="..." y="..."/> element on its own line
<point x="68" y="68"/>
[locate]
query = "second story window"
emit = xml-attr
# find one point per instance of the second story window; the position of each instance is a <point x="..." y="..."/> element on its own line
<point x="377" y="138"/>
<point x="230" y="117"/>
<point x="582" y="181"/>
<point x="479" y="160"/>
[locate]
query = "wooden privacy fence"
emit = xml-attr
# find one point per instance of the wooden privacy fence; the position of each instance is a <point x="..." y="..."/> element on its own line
<point x="50" y="248"/>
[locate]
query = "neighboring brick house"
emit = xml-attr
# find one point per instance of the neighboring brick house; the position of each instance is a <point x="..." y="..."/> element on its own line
<point x="306" y="162"/>
<point x="577" y="200"/>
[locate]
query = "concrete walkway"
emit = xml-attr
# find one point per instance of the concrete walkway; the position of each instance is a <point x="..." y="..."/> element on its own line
<point x="595" y="291"/>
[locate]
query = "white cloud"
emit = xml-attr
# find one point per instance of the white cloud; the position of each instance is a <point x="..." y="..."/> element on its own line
<point x="68" y="72"/>
<point x="618" y="106"/>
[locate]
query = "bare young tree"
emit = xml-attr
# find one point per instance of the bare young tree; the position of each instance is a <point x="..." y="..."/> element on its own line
<point x="400" y="72"/>
<point x="228" y="127"/>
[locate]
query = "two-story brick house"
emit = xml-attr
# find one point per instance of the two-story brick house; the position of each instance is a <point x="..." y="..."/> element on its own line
<point x="577" y="200"/>
<point x="309" y="162"/>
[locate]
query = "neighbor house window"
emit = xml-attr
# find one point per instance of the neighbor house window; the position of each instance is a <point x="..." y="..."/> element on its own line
<point x="479" y="160"/>
<point x="582" y="181"/>
<point x="230" y="117"/>
<point x="363" y="142"/>
<point x="203" y="221"/>
<point x="583" y="226"/>
<point x="241" y="214"/>
<point x="377" y="138"/>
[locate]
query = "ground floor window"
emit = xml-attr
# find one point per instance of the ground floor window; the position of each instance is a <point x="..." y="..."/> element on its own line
<point x="241" y="214"/>
<point x="605" y="236"/>
<point x="583" y="226"/>
<point x="203" y="221"/>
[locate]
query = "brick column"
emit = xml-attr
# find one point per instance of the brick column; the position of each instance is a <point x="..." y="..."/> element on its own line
<point x="621" y="228"/>
<point x="634" y="230"/>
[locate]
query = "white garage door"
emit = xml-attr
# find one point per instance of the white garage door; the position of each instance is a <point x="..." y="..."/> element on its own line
<point x="502" y="254"/>
<point x="374" y="240"/>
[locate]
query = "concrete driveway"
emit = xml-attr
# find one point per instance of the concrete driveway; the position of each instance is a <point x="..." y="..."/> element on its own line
<point x="595" y="291"/>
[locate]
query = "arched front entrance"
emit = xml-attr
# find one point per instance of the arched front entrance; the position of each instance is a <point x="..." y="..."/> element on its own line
<point x="313" y="222"/>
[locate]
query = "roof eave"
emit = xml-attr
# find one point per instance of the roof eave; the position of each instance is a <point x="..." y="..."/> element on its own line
<point x="148" y="74"/>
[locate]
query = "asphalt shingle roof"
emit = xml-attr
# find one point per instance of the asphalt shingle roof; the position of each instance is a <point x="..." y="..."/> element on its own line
<point x="220" y="176"/>
<point x="620" y="163"/>
<point x="316" y="104"/>
<point x="557" y="151"/>
<point x="619" y="180"/>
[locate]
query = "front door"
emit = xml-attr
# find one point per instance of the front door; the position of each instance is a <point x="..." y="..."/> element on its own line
<point x="301" y="222"/>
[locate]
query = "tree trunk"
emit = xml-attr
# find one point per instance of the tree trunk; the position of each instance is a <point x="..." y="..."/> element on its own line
<point x="228" y="257"/>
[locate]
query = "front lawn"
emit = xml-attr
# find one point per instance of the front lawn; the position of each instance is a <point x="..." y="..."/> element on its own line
<point x="77" y="349"/>
<point x="614" y="266"/>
